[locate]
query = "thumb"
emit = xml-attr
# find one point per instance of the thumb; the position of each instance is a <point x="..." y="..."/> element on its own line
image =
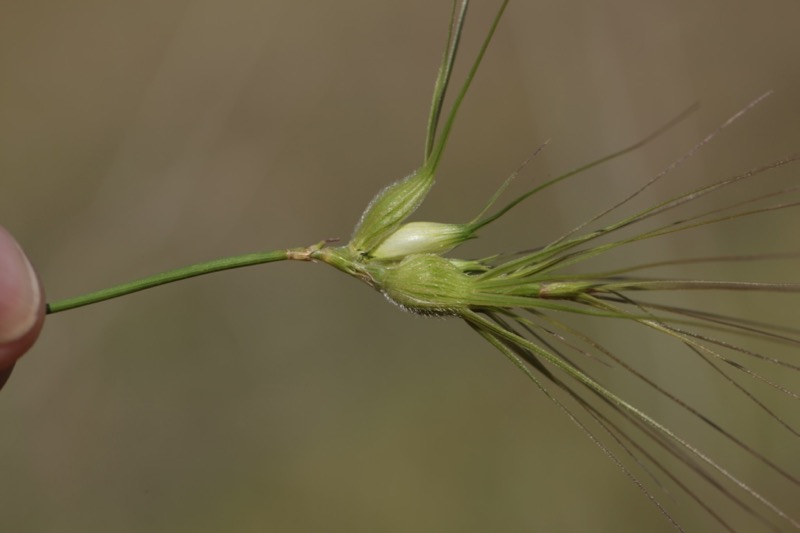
<point x="21" y="304"/>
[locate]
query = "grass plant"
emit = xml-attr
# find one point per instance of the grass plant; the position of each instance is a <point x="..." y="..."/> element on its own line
<point x="521" y="303"/>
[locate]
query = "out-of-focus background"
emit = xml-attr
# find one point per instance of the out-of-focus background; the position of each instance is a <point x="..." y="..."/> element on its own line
<point x="141" y="136"/>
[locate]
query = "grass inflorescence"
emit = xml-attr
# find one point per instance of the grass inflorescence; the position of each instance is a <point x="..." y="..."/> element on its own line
<point x="521" y="304"/>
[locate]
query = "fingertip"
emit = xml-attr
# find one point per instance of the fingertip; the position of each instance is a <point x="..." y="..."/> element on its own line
<point x="22" y="306"/>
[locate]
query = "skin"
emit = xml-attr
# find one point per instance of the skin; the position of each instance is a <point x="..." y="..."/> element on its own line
<point x="22" y="304"/>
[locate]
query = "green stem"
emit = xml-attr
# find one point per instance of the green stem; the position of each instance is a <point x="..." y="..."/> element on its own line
<point x="227" y="263"/>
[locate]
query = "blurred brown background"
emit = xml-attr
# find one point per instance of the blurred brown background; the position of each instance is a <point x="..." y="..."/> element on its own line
<point x="141" y="136"/>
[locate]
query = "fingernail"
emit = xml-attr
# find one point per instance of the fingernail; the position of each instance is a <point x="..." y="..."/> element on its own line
<point x="19" y="290"/>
